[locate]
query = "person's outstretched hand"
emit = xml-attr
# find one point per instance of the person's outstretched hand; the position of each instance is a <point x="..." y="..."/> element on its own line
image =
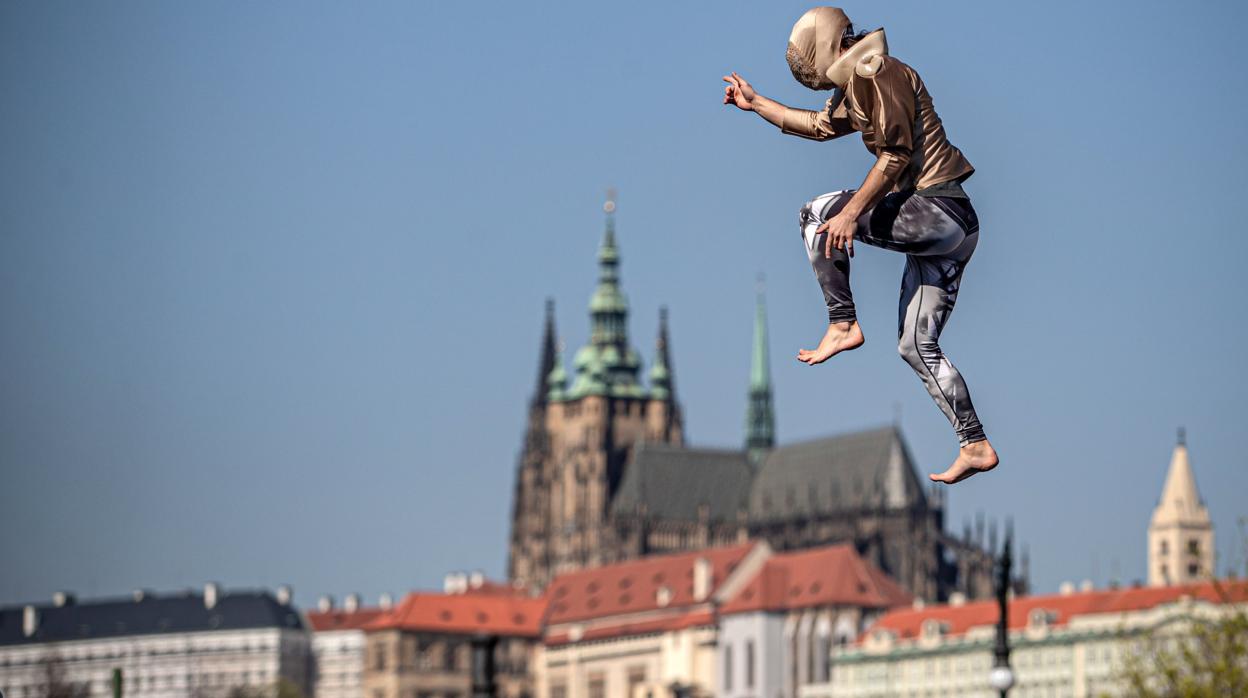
<point x="738" y="92"/>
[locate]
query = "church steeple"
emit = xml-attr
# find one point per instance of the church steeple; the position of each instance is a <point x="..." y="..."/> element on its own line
<point x="760" y="420"/>
<point x="607" y="365"/>
<point x="546" y="356"/>
<point x="662" y="382"/>
<point x="1181" y="532"/>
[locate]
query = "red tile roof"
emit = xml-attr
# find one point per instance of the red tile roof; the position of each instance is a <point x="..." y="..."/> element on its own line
<point x="491" y="612"/>
<point x="342" y="620"/>
<point x="908" y="623"/>
<point x="818" y="577"/>
<point x="691" y="619"/>
<point x="633" y="586"/>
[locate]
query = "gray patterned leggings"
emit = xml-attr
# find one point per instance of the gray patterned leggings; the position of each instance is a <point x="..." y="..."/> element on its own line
<point x="938" y="236"/>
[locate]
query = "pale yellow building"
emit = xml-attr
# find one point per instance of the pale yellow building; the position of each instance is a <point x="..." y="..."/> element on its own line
<point x="1068" y="645"/>
<point x="1180" y="536"/>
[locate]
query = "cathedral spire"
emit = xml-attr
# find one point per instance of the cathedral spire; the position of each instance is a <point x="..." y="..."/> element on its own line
<point x="760" y="420"/>
<point x="607" y="365"/>
<point x="546" y="356"/>
<point x="662" y="382"/>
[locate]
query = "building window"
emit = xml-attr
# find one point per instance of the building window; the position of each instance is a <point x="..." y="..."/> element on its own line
<point x="597" y="686"/>
<point x="1193" y="546"/>
<point x="1165" y="547"/>
<point x="749" y="664"/>
<point x="1193" y="569"/>
<point x="558" y="690"/>
<point x="448" y="656"/>
<point x="727" y="667"/>
<point x="636" y="677"/>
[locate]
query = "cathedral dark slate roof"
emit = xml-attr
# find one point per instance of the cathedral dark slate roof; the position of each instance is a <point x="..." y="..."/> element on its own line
<point x="865" y="469"/>
<point x="836" y="474"/>
<point x="672" y="481"/>
<point x="151" y="614"/>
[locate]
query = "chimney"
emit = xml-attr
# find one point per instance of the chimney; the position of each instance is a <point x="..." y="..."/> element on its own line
<point x="140" y="595"/>
<point x="30" y="620"/>
<point x="454" y="583"/>
<point x="701" y="579"/>
<point x="285" y="594"/>
<point x="386" y="601"/>
<point x="61" y="599"/>
<point x="476" y="579"/>
<point x="1085" y="585"/>
<point x="325" y="604"/>
<point x="1066" y="588"/>
<point x="351" y="604"/>
<point x="957" y="599"/>
<point x="212" y="591"/>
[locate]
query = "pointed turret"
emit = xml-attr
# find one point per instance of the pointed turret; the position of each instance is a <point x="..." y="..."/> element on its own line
<point x="760" y="420"/>
<point x="1181" y="532"/>
<point x="662" y="382"/>
<point x="546" y="356"/>
<point x="607" y="365"/>
<point x="557" y="379"/>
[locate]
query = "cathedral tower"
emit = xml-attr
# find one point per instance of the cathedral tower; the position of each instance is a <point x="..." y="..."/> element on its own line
<point x="760" y="419"/>
<point x="1180" y="537"/>
<point x="580" y="436"/>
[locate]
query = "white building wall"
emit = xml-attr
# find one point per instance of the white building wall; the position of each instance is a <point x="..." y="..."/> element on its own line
<point x="175" y="665"/>
<point x="338" y="663"/>
<point x="766" y="631"/>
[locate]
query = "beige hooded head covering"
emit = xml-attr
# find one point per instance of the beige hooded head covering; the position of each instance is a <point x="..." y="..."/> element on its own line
<point x="815" y="54"/>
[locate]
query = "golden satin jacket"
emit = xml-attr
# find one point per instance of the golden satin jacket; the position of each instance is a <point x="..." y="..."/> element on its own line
<point x="886" y="101"/>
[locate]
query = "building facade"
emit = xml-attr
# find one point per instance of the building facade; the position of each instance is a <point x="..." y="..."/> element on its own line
<point x="735" y="621"/>
<point x="1180" y="535"/>
<point x="777" y="631"/>
<point x="604" y="474"/>
<point x="422" y="647"/>
<point x="166" y="646"/>
<point x="1069" y="645"/>
<point x="338" y="643"/>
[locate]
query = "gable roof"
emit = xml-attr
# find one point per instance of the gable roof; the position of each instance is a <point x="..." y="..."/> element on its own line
<point x="672" y="482"/>
<point x="831" y="575"/>
<point x="634" y="586"/>
<point x="836" y="474"/>
<point x="148" y="614"/>
<point x="509" y="615"/>
<point x="907" y="623"/>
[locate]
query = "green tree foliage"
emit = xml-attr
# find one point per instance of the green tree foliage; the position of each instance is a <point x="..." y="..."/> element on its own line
<point x="1194" y="657"/>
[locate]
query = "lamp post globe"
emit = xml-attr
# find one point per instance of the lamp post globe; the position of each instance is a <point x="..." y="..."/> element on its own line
<point x="1001" y="678"/>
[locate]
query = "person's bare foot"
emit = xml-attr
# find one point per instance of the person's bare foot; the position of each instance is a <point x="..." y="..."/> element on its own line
<point x="841" y="336"/>
<point x="975" y="457"/>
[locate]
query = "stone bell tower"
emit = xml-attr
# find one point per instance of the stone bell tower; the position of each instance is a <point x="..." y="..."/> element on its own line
<point x="1180" y="537"/>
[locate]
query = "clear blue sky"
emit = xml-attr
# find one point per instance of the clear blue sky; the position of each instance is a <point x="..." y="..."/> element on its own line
<point x="271" y="274"/>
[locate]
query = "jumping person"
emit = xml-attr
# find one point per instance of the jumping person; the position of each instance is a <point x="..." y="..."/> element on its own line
<point x="912" y="202"/>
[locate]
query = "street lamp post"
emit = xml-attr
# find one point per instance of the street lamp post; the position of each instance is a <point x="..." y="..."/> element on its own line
<point x="483" y="647"/>
<point x="1002" y="676"/>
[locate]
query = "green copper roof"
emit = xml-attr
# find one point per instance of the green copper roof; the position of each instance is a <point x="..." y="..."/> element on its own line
<point x="660" y="373"/>
<point x="557" y="380"/>
<point x="760" y="363"/>
<point x="760" y="419"/>
<point x="607" y="365"/>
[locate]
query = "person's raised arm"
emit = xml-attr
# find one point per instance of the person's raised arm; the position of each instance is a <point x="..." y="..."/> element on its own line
<point x="815" y="125"/>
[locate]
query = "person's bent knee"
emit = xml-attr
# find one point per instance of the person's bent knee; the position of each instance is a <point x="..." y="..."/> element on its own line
<point x="908" y="350"/>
